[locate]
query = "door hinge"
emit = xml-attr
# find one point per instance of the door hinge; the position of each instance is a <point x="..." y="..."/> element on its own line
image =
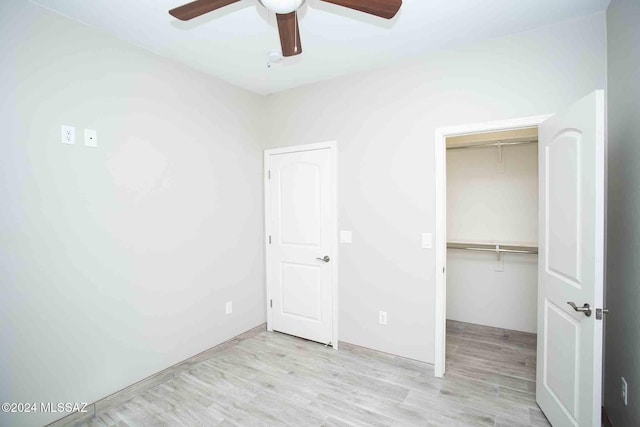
<point x="268" y="174"/>
<point x="442" y="270"/>
<point x="271" y="303"/>
<point x="269" y="239"/>
<point x="600" y="312"/>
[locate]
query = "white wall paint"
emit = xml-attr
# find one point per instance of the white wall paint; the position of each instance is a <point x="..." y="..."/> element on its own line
<point x="485" y="206"/>
<point x="622" y="325"/>
<point x="113" y="269"/>
<point x="384" y="122"/>
<point x="116" y="262"/>
<point x="477" y="294"/>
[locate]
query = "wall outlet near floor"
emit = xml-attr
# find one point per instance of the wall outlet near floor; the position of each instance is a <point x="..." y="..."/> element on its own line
<point x="228" y="308"/>
<point x="623" y="390"/>
<point x="68" y="135"/>
<point x="382" y="317"/>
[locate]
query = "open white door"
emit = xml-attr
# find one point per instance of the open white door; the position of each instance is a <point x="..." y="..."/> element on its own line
<point x="301" y="241"/>
<point x="571" y="264"/>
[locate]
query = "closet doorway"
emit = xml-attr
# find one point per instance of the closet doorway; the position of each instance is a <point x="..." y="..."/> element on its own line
<point x="571" y="152"/>
<point x="487" y="178"/>
<point x="492" y="257"/>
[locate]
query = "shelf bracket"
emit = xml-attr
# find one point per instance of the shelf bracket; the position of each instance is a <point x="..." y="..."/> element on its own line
<point x="500" y="167"/>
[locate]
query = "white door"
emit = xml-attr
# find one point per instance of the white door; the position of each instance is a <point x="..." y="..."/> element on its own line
<point x="301" y="227"/>
<point x="571" y="264"/>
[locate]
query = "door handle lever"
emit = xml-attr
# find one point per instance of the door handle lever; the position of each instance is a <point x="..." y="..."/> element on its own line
<point x="325" y="258"/>
<point x="585" y="309"/>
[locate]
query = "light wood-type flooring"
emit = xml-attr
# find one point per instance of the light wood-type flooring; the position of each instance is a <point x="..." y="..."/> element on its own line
<point x="263" y="379"/>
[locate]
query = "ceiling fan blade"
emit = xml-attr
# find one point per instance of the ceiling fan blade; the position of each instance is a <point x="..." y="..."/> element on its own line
<point x="198" y="7"/>
<point x="382" y="8"/>
<point x="289" y="34"/>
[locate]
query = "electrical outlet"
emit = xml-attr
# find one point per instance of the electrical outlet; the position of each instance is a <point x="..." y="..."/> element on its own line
<point x="68" y="135"/>
<point x="624" y="390"/>
<point x="90" y="138"/>
<point x="382" y="317"/>
<point x="228" y="308"/>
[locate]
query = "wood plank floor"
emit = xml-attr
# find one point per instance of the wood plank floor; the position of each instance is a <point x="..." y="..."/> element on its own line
<point x="264" y="379"/>
<point x="498" y="367"/>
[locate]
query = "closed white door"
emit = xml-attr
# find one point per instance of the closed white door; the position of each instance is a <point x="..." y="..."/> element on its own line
<point x="300" y="251"/>
<point x="571" y="264"/>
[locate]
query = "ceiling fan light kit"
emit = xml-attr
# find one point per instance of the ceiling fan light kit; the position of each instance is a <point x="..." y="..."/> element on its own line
<point x="286" y="15"/>
<point x="282" y="6"/>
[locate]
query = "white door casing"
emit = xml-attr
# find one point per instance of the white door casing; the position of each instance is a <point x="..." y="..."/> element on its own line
<point x="440" y="183"/>
<point x="301" y="230"/>
<point x="569" y="367"/>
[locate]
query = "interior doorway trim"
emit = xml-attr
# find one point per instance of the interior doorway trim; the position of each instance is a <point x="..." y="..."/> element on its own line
<point x="441" y="134"/>
<point x="333" y="225"/>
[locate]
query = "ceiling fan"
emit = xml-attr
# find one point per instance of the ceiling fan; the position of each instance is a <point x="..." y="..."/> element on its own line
<point x="285" y="11"/>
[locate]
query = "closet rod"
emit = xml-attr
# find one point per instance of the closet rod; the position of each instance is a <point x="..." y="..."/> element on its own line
<point x="492" y="144"/>
<point x="492" y="247"/>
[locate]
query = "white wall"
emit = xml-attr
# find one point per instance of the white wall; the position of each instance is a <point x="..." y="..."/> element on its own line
<point x="384" y="122"/>
<point x="116" y="262"/>
<point x="622" y="325"/>
<point x="484" y="206"/>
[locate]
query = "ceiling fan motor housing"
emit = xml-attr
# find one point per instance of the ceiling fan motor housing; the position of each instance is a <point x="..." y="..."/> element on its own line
<point x="282" y="6"/>
<point x="288" y="28"/>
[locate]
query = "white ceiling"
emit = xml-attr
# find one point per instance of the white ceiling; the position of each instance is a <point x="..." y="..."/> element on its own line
<point x="232" y="43"/>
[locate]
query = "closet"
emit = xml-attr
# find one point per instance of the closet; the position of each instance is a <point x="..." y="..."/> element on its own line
<point x="492" y="246"/>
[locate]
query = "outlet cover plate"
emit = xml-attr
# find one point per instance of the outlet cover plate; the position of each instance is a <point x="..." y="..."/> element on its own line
<point x="382" y="317"/>
<point x="228" y="309"/>
<point x="68" y="135"/>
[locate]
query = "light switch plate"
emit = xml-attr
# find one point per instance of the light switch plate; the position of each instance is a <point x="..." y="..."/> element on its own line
<point x="90" y="138"/>
<point x="427" y="241"/>
<point x="346" y="237"/>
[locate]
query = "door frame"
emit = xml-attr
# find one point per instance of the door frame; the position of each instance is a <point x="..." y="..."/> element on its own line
<point x="440" y="182"/>
<point x="333" y="225"/>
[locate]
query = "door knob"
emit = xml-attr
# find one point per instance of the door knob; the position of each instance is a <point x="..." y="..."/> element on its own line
<point x="325" y="258"/>
<point x="585" y="309"/>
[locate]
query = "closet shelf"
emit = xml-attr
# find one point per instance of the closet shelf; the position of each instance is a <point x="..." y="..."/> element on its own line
<point x="493" y="247"/>
<point x="498" y="144"/>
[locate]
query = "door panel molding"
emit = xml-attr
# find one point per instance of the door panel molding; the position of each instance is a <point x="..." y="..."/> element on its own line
<point x="552" y="382"/>
<point x="569" y="377"/>
<point x="332" y="225"/>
